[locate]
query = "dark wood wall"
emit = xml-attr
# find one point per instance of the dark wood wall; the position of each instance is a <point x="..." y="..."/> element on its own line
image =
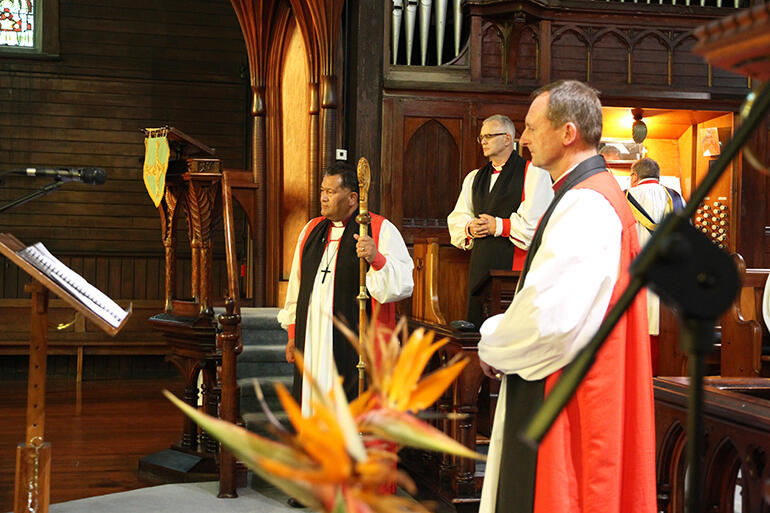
<point x="123" y="65"/>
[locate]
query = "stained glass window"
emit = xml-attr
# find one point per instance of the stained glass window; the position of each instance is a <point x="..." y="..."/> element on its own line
<point x="17" y="23"/>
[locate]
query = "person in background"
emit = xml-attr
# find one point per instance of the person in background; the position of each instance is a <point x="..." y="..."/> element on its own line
<point x="498" y="208"/>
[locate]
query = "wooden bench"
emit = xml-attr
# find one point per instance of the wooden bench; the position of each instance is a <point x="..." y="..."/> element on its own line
<point x="742" y="333"/>
<point x="743" y="328"/>
<point x="80" y="338"/>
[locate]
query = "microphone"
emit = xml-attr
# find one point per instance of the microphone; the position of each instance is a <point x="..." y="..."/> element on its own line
<point x="89" y="175"/>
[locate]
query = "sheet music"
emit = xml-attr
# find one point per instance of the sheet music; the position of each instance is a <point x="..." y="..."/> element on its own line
<point x="93" y="298"/>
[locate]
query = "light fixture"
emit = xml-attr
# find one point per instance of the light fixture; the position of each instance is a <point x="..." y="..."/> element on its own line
<point x="638" y="129"/>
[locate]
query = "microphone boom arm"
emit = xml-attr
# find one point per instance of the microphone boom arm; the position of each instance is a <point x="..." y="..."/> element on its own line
<point x="46" y="189"/>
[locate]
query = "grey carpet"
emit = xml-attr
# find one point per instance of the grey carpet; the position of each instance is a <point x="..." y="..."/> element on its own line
<point x="181" y="498"/>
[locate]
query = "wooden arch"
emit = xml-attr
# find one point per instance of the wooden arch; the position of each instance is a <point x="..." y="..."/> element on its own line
<point x="263" y="24"/>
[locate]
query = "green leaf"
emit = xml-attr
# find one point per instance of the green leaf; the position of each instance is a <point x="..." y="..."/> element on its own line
<point x="339" y="503"/>
<point x="407" y="430"/>
<point x="250" y="448"/>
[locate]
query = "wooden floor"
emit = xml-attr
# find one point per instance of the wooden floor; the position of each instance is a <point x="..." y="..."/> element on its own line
<point x="98" y="432"/>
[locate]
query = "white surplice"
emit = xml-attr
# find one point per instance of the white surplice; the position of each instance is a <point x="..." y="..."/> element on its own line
<point x="392" y="282"/>
<point x="560" y="306"/>
<point x="653" y="198"/>
<point x="537" y="196"/>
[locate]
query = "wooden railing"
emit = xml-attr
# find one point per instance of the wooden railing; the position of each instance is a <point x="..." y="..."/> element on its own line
<point x="737" y="423"/>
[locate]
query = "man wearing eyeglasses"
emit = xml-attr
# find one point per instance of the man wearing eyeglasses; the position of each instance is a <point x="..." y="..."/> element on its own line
<point x="498" y="208"/>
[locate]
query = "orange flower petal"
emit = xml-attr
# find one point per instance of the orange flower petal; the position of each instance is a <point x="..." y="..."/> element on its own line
<point x="430" y="388"/>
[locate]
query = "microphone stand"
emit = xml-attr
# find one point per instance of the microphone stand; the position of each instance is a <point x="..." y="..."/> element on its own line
<point x="46" y="189"/>
<point x="689" y="273"/>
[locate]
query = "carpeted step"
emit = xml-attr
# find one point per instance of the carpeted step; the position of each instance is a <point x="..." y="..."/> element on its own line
<point x="261" y="361"/>
<point x="257" y="319"/>
<point x="264" y="358"/>
<point x="267" y="383"/>
<point x="249" y="402"/>
<point x="262" y="369"/>
<point x="263" y="337"/>
<point x="257" y="422"/>
<point x="260" y="318"/>
<point x="263" y="353"/>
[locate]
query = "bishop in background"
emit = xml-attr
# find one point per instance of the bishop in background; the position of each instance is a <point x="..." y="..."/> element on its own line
<point x="498" y="208"/>
<point x="324" y="283"/>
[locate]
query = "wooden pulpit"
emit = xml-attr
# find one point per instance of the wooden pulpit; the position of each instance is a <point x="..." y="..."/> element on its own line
<point x="197" y="183"/>
<point x="33" y="457"/>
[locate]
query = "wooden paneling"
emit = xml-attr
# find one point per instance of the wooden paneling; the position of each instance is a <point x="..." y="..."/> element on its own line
<point x="666" y="153"/>
<point x="124" y="277"/>
<point x="491" y="53"/>
<point x="649" y="62"/>
<point x="736" y="420"/>
<point x="526" y="56"/>
<point x="123" y="65"/>
<point x="569" y="54"/>
<point x="754" y="239"/>
<point x="609" y="58"/>
<point x="432" y="156"/>
<point x="724" y="79"/>
<point x="295" y="196"/>
<point x="688" y="69"/>
<point x="402" y="122"/>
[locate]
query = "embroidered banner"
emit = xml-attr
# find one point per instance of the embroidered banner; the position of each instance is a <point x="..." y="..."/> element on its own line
<point x="156" y="153"/>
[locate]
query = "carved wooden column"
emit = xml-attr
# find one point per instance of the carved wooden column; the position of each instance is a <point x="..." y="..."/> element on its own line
<point x="314" y="162"/>
<point x="188" y="326"/>
<point x="167" y="211"/>
<point x="200" y="194"/>
<point x="319" y="22"/>
<point x="475" y="46"/>
<point x="466" y="401"/>
<point x="229" y="343"/>
<point x="257" y="19"/>
<point x="259" y="170"/>
<point x="329" y="120"/>
<point x="544" y="43"/>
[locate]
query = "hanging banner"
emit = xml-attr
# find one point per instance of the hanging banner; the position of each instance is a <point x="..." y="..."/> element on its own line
<point x="156" y="153"/>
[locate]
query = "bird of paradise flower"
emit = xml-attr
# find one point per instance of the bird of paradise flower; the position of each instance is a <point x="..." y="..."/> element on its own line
<point x="325" y="463"/>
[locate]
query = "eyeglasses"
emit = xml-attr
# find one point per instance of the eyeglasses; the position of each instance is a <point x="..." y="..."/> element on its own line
<point x="485" y="137"/>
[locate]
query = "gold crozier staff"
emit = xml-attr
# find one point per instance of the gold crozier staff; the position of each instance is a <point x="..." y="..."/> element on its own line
<point x="363" y="219"/>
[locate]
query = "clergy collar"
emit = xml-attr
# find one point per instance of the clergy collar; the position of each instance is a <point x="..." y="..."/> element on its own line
<point x="344" y="222"/>
<point x="498" y="169"/>
<point x="645" y="181"/>
<point x="560" y="181"/>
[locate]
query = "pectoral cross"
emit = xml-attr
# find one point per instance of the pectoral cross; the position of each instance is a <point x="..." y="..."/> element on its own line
<point x="325" y="272"/>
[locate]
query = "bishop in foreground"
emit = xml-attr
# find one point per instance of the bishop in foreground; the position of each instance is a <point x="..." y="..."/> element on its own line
<point x="599" y="456"/>
<point x="324" y="283"/>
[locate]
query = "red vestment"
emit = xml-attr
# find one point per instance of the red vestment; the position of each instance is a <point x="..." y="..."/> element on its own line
<point x="599" y="456"/>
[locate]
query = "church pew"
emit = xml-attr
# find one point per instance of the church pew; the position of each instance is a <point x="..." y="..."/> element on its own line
<point x="456" y="481"/>
<point x="743" y="329"/>
<point x="741" y="333"/>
